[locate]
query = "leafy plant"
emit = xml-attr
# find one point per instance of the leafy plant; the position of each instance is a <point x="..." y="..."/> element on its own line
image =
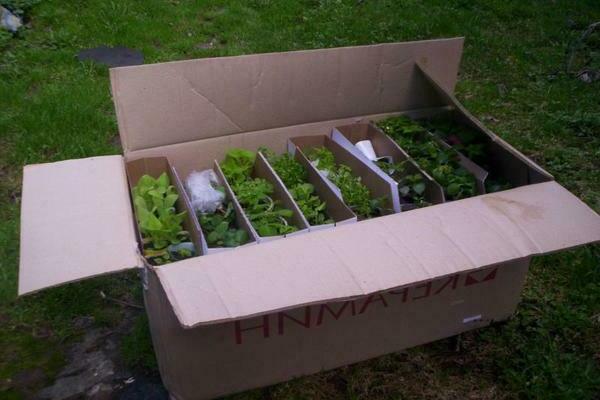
<point x="443" y="164"/>
<point x="238" y="165"/>
<point x="410" y="186"/>
<point x="472" y="144"/>
<point x="219" y="227"/>
<point x="267" y="215"/>
<point x="159" y="223"/>
<point x="355" y="194"/>
<point x="295" y="178"/>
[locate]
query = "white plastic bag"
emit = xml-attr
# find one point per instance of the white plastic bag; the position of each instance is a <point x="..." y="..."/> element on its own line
<point x="201" y="189"/>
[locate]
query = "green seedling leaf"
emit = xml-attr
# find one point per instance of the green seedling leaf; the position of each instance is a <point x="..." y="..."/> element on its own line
<point x="295" y="177"/>
<point x="158" y="221"/>
<point x="355" y="194"/>
<point x="254" y="194"/>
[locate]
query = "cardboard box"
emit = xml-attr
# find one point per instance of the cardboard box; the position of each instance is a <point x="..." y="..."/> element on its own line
<point x="258" y="315"/>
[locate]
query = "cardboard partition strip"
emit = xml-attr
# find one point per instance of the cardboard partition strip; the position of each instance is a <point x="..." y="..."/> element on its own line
<point x="472" y="168"/>
<point x="348" y="135"/>
<point x="262" y="169"/>
<point x="241" y="222"/>
<point x="155" y="167"/>
<point x="240" y="216"/>
<point x="479" y="173"/>
<point x="377" y="185"/>
<point x="336" y="208"/>
<point x="501" y="162"/>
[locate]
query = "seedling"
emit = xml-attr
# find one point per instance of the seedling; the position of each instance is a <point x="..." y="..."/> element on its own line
<point x="443" y="164"/>
<point x="219" y="228"/>
<point x="267" y="215"/>
<point x="295" y="178"/>
<point x="354" y="193"/>
<point x="160" y="225"/>
<point x="410" y="186"/>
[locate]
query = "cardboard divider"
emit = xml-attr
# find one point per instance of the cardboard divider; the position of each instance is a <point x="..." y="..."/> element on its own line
<point x="348" y="135"/>
<point x="478" y="173"/>
<point x="154" y="167"/>
<point x="500" y="163"/>
<point x="263" y="170"/>
<point x="240" y="218"/>
<point x="336" y="209"/>
<point x="377" y="185"/>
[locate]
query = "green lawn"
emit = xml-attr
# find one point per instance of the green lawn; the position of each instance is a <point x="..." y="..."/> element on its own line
<point x="53" y="107"/>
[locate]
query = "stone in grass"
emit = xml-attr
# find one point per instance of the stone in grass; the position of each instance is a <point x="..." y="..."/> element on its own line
<point x="9" y="21"/>
<point x="112" y="56"/>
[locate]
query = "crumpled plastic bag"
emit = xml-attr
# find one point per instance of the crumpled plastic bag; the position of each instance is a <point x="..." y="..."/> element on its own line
<point x="201" y="189"/>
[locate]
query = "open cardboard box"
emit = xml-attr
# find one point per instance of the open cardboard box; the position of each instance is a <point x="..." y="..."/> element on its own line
<point x="258" y="315"/>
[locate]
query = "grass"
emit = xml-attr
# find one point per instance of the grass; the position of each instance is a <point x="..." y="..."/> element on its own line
<point x="53" y="107"/>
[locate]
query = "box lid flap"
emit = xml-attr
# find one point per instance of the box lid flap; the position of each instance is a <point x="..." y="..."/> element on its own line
<point x="76" y="222"/>
<point x="378" y="254"/>
<point x="176" y="102"/>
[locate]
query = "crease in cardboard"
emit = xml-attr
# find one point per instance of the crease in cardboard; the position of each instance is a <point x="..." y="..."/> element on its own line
<point x="216" y="108"/>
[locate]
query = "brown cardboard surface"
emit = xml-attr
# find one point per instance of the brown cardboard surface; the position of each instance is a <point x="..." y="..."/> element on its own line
<point x="183" y="101"/>
<point x="214" y="360"/>
<point x="379" y="254"/>
<point x="76" y="222"/>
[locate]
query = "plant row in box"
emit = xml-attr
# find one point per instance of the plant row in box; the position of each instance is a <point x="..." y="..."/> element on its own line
<point x="267" y="205"/>
<point x="162" y="214"/>
<point x="441" y="162"/>
<point x="473" y="144"/>
<point x="414" y="187"/>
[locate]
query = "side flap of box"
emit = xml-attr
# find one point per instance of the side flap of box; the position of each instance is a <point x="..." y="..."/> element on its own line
<point x="76" y="222"/>
<point x="379" y="254"/>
